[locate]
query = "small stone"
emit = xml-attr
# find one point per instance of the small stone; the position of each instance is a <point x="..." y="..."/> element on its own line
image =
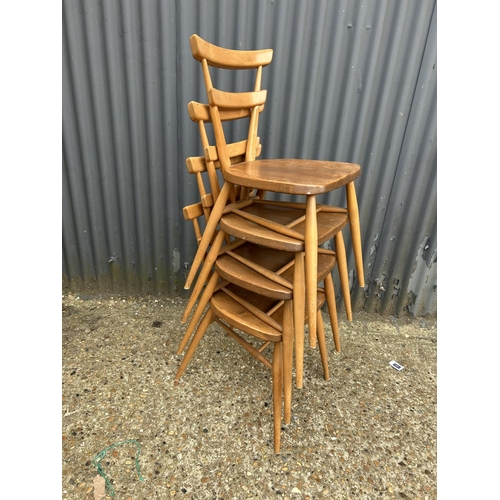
<point x="99" y="487"/>
<point x="296" y="490"/>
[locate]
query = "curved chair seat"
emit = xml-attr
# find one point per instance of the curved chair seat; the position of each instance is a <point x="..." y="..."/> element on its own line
<point x="293" y="176"/>
<point x="248" y="224"/>
<point x="232" y="269"/>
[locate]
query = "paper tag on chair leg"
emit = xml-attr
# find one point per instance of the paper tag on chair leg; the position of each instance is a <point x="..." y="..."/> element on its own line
<point x="99" y="487"/>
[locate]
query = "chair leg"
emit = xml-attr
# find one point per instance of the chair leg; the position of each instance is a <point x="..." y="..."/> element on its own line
<point x="277" y="390"/>
<point x="205" y="271"/>
<point x="322" y="345"/>
<point x="311" y="262"/>
<point x="208" y="233"/>
<point x="204" y="300"/>
<point x="353" y="213"/>
<point x="207" y="319"/>
<point x="287" y="358"/>
<point x="332" y="310"/>
<point x="299" y="304"/>
<point x="343" y="273"/>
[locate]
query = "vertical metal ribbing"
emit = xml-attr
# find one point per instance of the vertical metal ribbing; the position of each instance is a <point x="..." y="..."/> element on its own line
<point x="343" y="85"/>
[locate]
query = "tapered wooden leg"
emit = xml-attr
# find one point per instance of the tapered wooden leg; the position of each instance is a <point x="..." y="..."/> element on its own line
<point x="207" y="319"/>
<point x="205" y="271"/>
<point x="244" y="193"/>
<point x="312" y="339"/>
<point x="277" y="390"/>
<point x="287" y="358"/>
<point x="322" y="345"/>
<point x="311" y="261"/>
<point x="332" y="310"/>
<point x="208" y="233"/>
<point x="343" y="273"/>
<point x="299" y="303"/>
<point x="353" y="213"/>
<point x="204" y="300"/>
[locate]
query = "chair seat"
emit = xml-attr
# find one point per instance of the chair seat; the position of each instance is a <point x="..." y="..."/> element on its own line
<point x="228" y="309"/>
<point x="234" y="271"/>
<point x="329" y="224"/>
<point x="293" y="176"/>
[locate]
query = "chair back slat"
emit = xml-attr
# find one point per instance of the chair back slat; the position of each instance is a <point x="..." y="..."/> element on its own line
<point x="220" y="57"/>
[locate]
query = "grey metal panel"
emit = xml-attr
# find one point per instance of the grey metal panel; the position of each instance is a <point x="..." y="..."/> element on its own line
<point x="118" y="125"/>
<point x="345" y="84"/>
<point x="403" y="261"/>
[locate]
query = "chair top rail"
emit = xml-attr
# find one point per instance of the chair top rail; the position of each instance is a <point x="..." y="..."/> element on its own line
<point x="221" y="57"/>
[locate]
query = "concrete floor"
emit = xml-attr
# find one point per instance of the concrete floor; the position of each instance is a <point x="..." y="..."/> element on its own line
<point x="368" y="432"/>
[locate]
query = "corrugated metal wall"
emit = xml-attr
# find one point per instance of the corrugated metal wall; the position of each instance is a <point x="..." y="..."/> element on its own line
<point x="351" y="80"/>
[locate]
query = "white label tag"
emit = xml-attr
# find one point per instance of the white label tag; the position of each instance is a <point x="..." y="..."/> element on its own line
<point x="395" y="365"/>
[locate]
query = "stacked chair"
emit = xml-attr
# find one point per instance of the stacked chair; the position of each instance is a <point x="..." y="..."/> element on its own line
<point x="259" y="278"/>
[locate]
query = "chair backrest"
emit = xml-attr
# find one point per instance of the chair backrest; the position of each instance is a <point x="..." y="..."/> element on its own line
<point x="209" y="163"/>
<point x="220" y="57"/>
<point x="220" y="101"/>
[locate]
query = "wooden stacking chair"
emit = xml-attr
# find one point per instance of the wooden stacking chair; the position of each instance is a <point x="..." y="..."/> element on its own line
<point x="253" y="218"/>
<point x="239" y="311"/>
<point x="210" y="55"/>
<point x="243" y="263"/>
<point x="264" y="299"/>
<point x="250" y="302"/>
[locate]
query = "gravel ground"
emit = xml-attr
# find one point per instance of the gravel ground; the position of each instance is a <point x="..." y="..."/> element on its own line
<point x="368" y="432"/>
